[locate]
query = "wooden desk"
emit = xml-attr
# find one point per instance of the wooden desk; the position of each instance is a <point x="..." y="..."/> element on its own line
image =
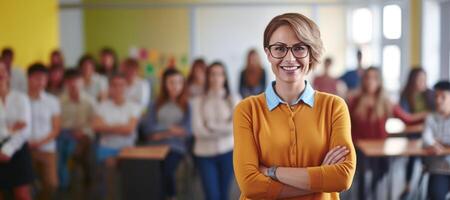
<point x="141" y="172"/>
<point x="390" y="147"/>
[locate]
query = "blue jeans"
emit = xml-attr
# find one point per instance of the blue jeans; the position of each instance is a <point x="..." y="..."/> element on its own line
<point x="79" y="150"/>
<point x="216" y="173"/>
<point x="169" y="170"/>
<point x="66" y="147"/>
<point x="438" y="186"/>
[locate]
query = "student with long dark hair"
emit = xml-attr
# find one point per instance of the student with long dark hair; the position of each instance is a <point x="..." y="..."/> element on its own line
<point x="196" y="78"/>
<point x="168" y="122"/>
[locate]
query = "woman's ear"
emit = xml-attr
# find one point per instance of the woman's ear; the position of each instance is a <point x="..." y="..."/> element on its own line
<point x="266" y="50"/>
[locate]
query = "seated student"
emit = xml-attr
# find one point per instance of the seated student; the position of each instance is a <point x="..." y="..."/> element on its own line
<point x="138" y="89"/>
<point x="415" y="97"/>
<point x="76" y="136"/>
<point x="436" y="136"/>
<point x="55" y="80"/>
<point x="94" y="84"/>
<point x="169" y="122"/>
<point x="45" y="127"/>
<point x="16" y="173"/>
<point x="115" y="121"/>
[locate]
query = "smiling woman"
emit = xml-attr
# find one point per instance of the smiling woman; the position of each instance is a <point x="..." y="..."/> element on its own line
<point x="292" y="141"/>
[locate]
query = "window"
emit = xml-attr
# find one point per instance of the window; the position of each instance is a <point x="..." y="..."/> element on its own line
<point x="391" y="67"/>
<point x="362" y="25"/>
<point x="392" y="22"/>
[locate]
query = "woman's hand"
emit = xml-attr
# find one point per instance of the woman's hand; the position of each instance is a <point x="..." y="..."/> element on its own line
<point x="336" y="155"/>
<point x="177" y="131"/>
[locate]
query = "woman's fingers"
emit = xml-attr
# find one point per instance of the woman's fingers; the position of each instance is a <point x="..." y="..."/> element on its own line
<point x="330" y="155"/>
<point x="326" y="160"/>
<point x="342" y="154"/>
<point x="335" y="155"/>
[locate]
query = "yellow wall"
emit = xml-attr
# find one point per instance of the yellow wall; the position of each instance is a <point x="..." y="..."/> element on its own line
<point x="415" y="32"/>
<point x="163" y="29"/>
<point x="30" y="27"/>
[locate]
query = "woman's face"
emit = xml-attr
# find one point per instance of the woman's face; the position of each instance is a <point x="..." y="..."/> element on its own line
<point x="253" y="60"/>
<point x="174" y="84"/>
<point x="107" y="61"/>
<point x="421" y="82"/>
<point x="372" y="82"/>
<point x="288" y="69"/>
<point x="87" y="68"/>
<point x="216" y="77"/>
<point x="199" y="73"/>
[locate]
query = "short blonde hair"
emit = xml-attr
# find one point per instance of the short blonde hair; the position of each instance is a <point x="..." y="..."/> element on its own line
<point x="306" y="30"/>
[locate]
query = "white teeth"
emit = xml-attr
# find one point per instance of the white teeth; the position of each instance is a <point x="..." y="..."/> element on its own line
<point x="290" y="68"/>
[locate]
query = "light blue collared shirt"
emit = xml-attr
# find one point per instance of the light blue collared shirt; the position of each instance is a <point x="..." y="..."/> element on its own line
<point x="273" y="100"/>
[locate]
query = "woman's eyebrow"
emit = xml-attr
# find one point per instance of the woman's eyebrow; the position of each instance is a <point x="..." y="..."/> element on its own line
<point x="299" y="43"/>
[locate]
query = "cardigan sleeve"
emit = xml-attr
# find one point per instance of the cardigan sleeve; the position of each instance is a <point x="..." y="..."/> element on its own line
<point x="337" y="177"/>
<point x="253" y="184"/>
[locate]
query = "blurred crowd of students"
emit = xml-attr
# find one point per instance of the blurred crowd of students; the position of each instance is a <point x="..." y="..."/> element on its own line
<point x="55" y="118"/>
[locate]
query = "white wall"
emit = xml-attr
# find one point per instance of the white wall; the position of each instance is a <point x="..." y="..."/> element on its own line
<point x="71" y="33"/>
<point x="227" y="33"/>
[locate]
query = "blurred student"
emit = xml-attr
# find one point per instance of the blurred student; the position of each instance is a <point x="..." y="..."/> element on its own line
<point x="55" y="80"/>
<point x="75" y="140"/>
<point x="213" y="132"/>
<point x="352" y="78"/>
<point x="436" y="137"/>
<point x="138" y="89"/>
<point x="56" y="58"/>
<point x="415" y="98"/>
<point x="369" y="110"/>
<point x="16" y="173"/>
<point x="115" y="121"/>
<point x="108" y="62"/>
<point x="328" y="84"/>
<point x="45" y="127"/>
<point x="196" y="78"/>
<point x="18" y="80"/>
<point x="169" y="122"/>
<point x="253" y="77"/>
<point x="94" y="84"/>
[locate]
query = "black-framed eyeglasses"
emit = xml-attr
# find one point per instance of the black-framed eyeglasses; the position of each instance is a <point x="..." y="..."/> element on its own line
<point x="279" y="51"/>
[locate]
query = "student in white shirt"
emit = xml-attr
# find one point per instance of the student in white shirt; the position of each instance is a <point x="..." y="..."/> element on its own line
<point x="17" y="78"/>
<point x="213" y="131"/>
<point x="45" y="127"/>
<point x="115" y="121"/>
<point x="95" y="84"/>
<point x="16" y="173"/>
<point x="138" y="89"/>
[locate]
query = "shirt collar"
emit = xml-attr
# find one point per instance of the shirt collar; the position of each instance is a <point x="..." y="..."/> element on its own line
<point x="273" y="100"/>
